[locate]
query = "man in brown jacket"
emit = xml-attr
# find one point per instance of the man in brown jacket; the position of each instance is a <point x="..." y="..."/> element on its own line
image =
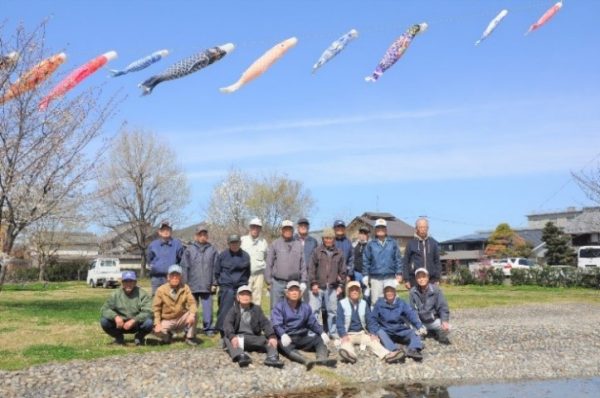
<point x="327" y="274"/>
<point x="175" y="308"/>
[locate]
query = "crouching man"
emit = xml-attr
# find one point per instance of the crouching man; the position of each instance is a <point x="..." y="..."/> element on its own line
<point x="430" y="304"/>
<point x="353" y="324"/>
<point x="390" y="314"/>
<point x="175" y="308"/>
<point x="247" y="329"/>
<point x="293" y="320"/>
<point x="128" y="310"/>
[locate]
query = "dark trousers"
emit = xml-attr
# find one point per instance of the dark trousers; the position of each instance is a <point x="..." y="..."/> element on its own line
<point x="252" y="343"/>
<point x="140" y="329"/>
<point x="205" y="300"/>
<point x="305" y="343"/>
<point x="226" y="300"/>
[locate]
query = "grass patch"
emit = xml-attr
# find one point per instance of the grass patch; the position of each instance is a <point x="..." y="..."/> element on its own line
<point x="60" y="321"/>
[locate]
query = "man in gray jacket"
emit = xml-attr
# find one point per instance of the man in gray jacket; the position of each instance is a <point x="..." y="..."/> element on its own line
<point x="285" y="262"/>
<point x="198" y="264"/>
<point x="429" y="303"/>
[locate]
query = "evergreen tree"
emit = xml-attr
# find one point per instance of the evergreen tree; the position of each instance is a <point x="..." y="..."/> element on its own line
<point x="558" y="246"/>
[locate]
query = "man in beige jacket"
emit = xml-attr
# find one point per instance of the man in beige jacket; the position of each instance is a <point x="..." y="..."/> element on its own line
<point x="175" y="308"/>
<point x="256" y="246"/>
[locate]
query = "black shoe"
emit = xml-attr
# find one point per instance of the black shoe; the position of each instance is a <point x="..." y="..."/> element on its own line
<point x="209" y="333"/>
<point x="442" y="337"/>
<point x="395" y="357"/>
<point x="310" y="365"/>
<point x="166" y="338"/>
<point x="414" y="354"/>
<point x="244" y="360"/>
<point x="139" y="341"/>
<point x="330" y="363"/>
<point x="273" y="362"/>
<point x="346" y="357"/>
<point x="118" y="341"/>
<point x="191" y="342"/>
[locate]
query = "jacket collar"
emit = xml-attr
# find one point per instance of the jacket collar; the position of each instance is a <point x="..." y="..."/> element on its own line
<point x="421" y="239"/>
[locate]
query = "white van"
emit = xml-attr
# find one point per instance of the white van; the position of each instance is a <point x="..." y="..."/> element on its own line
<point x="588" y="257"/>
<point x="105" y="272"/>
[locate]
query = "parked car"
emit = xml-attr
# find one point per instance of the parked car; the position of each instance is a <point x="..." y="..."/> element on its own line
<point x="105" y="272"/>
<point x="588" y="257"/>
<point x="517" y="262"/>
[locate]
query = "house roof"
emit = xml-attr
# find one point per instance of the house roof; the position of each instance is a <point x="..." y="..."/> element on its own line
<point x="395" y="227"/>
<point x="588" y="221"/>
<point x="531" y="236"/>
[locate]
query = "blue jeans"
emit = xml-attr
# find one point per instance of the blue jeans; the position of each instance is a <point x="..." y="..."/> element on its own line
<point x="205" y="299"/>
<point x="156" y="282"/>
<point x="277" y="291"/>
<point x="140" y="329"/>
<point x="407" y="336"/>
<point x="325" y="299"/>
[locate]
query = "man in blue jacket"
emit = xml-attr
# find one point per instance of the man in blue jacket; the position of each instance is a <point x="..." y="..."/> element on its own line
<point x="161" y="254"/>
<point x="390" y="314"/>
<point x="293" y="322"/>
<point x="381" y="261"/>
<point x="343" y="243"/>
<point x="198" y="264"/>
<point x="232" y="270"/>
<point x="422" y="252"/>
<point x="430" y="304"/>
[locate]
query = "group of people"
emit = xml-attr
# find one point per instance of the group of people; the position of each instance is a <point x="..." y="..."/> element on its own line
<point x="319" y="292"/>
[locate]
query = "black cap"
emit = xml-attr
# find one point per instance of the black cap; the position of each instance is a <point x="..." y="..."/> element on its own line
<point x="233" y="238"/>
<point x="364" y="229"/>
<point x="339" y="223"/>
<point x="303" y="221"/>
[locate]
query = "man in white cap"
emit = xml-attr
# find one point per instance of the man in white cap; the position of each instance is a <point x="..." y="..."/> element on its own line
<point x="389" y="315"/>
<point x="175" y="308"/>
<point x="285" y="262"/>
<point x="256" y="247"/>
<point x="430" y="304"/>
<point x="354" y="325"/>
<point x="247" y="329"/>
<point x="382" y="263"/>
<point x="293" y="321"/>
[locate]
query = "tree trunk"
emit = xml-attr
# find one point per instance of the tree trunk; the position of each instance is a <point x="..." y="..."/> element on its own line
<point x="143" y="266"/>
<point x="7" y="246"/>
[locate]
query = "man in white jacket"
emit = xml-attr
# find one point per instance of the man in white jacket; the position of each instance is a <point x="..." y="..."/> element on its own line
<point x="256" y="246"/>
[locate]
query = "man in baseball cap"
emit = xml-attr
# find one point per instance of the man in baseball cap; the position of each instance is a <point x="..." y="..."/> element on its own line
<point x="175" y="308"/>
<point x="308" y="242"/>
<point x="162" y="253"/>
<point x="128" y="310"/>
<point x="247" y="329"/>
<point x="256" y="246"/>
<point x="198" y="264"/>
<point x="382" y="263"/>
<point x="393" y="318"/>
<point x="285" y="262"/>
<point x="343" y="243"/>
<point x="430" y="304"/>
<point x="232" y="270"/>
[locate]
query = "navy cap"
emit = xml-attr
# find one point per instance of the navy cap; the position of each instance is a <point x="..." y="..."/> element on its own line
<point x="303" y="221"/>
<point x="339" y="223"/>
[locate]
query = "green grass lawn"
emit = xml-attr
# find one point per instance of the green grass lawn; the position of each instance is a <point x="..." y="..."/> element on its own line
<point x="60" y="321"/>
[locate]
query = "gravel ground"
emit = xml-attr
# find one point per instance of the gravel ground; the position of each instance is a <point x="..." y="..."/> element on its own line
<point x="495" y="344"/>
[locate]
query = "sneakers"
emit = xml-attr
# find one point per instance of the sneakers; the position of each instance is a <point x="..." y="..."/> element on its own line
<point x="243" y="360"/>
<point x="346" y="356"/>
<point x="394" y="357"/>
<point x="414" y="354"/>
<point x="209" y="333"/>
<point x="273" y="362"/>
<point x="330" y="363"/>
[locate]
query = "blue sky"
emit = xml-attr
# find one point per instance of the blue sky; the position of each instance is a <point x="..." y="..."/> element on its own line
<point x="468" y="136"/>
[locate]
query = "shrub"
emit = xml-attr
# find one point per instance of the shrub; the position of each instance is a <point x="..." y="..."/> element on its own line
<point x="70" y="271"/>
<point x="462" y="276"/>
<point x="23" y="274"/>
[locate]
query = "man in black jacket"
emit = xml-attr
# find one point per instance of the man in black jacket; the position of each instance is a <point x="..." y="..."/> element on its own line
<point x="247" y="329"/>
<point x="422" y="252"/>
<point x="232" y="270"/>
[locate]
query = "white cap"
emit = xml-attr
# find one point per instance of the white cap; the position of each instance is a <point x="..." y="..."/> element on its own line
<point x="380" y="222"/>
<point x="287" y="223"/>
<point x="256" y="221"/>
<point x="391" y="283"/>
<point x="423" y="270"/>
